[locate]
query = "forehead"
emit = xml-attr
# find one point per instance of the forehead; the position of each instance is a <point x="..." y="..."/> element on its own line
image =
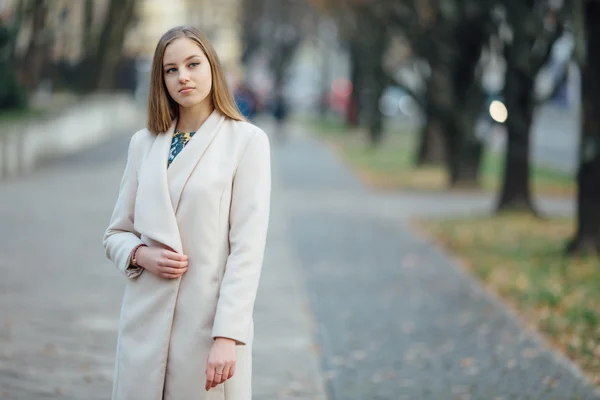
<point x="180" y="49"/>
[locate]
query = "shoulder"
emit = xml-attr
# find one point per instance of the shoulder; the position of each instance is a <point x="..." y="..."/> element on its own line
<point x="142" y="136"/>
<point x="245" y="132"/>
<point x="140" y="140"/>
<point x="140" y="144"/>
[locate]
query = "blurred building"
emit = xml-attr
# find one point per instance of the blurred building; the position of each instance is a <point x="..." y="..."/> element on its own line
<point x="220" y="21"/>
<point x="155" y="17"/>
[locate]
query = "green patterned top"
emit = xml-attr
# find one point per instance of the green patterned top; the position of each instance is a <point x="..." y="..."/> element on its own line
<point x="180" y="139"/>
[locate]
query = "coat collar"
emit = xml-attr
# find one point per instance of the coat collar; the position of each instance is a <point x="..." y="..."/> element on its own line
<point x="184" y="164"/>
<point x="159" y="189"/>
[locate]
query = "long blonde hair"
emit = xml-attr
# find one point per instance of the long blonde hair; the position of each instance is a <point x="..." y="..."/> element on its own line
<point x="162" y="109"/>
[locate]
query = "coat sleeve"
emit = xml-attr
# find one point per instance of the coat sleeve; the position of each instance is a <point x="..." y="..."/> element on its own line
<point x="120" y="238"/>
<point x="249" y="219"/>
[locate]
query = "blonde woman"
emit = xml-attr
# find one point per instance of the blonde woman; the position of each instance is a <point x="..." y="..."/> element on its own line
<point x="188" y="231"/>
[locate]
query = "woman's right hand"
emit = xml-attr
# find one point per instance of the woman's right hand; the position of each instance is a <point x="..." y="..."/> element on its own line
<point x="162" y="262"/>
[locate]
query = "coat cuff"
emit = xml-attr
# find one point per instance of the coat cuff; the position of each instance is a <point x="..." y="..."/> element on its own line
<point x="241" y="338"/>
<point x="132" y="272"/>
<point x="126" y="267"/>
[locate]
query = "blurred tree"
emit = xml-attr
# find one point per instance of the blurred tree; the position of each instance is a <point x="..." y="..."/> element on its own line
<point x="369" y="43"/>
<point x="37" y="53"/>
<point x="343" y="16"/>
<point x="529" y="30"/>
<point x="354" y="104"/>
<point x="12" y="94"/>
<point x="362" y="28"/>
<point x="276" y="27"/>
<point x="89" y="39"/>
<point x="415" y="25"/>
<point x="587" y="24"/>
<point x="111" y="42"/>
<point x="449" y="36"/>
<point x="430" y="149"/>
<point x="251" y="28"/>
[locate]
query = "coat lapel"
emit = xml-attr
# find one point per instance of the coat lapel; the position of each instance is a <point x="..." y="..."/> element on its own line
<point x="184" y="164"/>
<point x="159" y="188"/>
<point x="154" y="212"/>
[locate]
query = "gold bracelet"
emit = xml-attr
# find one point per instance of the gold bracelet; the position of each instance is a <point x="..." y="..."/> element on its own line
<point x="133" y="256"/>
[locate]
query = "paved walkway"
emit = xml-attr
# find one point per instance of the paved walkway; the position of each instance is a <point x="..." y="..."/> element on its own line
<point x="396" y="319"/>
<point x="351" y="302"/>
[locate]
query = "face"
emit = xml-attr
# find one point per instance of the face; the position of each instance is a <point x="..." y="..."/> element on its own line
<point x="187" y="74"/>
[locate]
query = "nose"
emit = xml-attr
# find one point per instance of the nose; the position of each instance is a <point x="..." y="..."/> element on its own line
<point x="183" y="77"/>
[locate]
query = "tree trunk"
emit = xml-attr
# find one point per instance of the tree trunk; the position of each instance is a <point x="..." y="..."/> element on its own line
<point x="465" y="150"/>
<point x="11" y="92"/>
<point x="520" y="103"/>
<point x="376" y="128"/>
<point x="19" y="18"/>
<point x="352" y="118"/>
<point x="458" y="109"/>
<point x="587" y="237"/>
<point x="36" y="54"/>
<point x="431" y="144"/>
<point x="375" y="80"/>
<point x="374" y="116"/>
<point x="87" y="29"/>
<point x="465" y="169"/>
<point x="284" y="53"/>
<point x="251" y="22"/>
<point x="454" y="93"/>
<point x="110" y="46"/>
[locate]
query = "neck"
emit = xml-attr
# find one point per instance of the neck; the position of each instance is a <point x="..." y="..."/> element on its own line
<point x="191" y="118"/>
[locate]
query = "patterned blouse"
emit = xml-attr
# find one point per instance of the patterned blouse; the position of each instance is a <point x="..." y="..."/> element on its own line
<point x="180" y="139"/>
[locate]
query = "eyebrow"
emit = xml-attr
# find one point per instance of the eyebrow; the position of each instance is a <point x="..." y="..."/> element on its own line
<point x="190" y="57"/>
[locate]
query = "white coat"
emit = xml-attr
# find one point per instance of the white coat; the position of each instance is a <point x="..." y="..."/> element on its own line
<point x="212" y="204"/>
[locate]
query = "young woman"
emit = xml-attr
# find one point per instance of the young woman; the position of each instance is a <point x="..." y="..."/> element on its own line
<point x="188" y="231"/>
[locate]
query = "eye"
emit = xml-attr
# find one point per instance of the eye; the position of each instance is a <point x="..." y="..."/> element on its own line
<point x="194" y="64"/>
<point x="168" y="71"/>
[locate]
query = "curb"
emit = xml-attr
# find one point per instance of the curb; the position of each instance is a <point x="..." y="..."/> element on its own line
<point x="26" y="144"/>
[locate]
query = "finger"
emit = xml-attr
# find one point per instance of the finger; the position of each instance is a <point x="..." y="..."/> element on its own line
<point x="171" y="276"/>
<point x="221" y="373"/>
<point x="165" y="262"/>
<point x="218" y="373"/>
<point x="225" y="373"/>
<point x="210" y="376"/>
<point x="171" y="255"/>
<point x="172" y="271"/>
<point x="231" y="371"/>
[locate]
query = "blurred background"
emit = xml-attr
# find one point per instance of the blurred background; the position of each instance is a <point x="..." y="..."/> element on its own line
<point x="436" y="189"/>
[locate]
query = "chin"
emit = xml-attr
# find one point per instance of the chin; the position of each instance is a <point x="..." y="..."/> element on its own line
<point x="191" y="101"/>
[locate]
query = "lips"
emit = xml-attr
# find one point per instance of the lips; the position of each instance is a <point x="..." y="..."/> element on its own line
<point x="186" y="89"/>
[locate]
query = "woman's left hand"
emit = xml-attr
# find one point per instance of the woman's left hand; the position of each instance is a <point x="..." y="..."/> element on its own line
<point x="220" y="365"/>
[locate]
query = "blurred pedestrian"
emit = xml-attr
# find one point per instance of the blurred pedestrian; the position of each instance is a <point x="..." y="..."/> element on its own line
<point x="188" y="231"/>
<point x="280" y="108"/>
<point x="246" y="100"/>
<point x="280" y="111"/>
